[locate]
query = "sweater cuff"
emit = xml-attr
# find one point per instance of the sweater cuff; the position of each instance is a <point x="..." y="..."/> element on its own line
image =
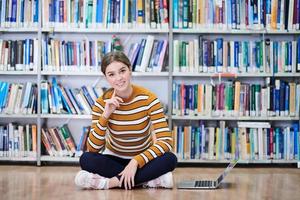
<point x="103" y="121"/>
<point x="140" y="161"/>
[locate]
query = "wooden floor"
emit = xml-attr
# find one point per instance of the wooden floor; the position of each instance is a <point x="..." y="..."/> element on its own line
<point x="57" y="182"/>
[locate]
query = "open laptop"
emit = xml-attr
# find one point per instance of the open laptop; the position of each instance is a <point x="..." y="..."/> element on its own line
<point x="207" y="184"/>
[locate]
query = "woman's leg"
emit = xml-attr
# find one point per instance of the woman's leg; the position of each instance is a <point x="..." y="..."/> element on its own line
<point x="104" y="165"/>
<point x="156" y="167"/>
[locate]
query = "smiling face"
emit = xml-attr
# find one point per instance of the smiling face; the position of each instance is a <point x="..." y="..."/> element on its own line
<point x="118" y="75"/>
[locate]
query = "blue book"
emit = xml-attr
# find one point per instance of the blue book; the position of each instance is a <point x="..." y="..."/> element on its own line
<point x="64" y="102"/>
<point x="236" y="54"/>
<point x="73" y="92"/>
<point x="175" y="14"/>
<point x="44" y="97"/>
<point x="56" y="95"/>
<point x="5" y="94"/>
<point x="192" y="150"/>
<point x="298" y="55"/>
<point x="88" y="96"/>
<point x="36" y="12"/>
<point x="219" y="59"/>
<point x="99" y="11"/>
<point x="282" y="98"/>
<point x="13" y="11"/>
<point x="233" y="14"/>
<point x="296" y="140"/>
<point x="76" y="12"/>
<point x="287" y="99"/>
<point x="2" y="11"/>
<point x="56" y="10"/>
<point x="278" y="12"/>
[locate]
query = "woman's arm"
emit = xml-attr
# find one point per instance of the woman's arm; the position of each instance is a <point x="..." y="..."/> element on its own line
<point x="100" y="115"/>
<point x="96" y="138"/>
<point x="164" y="141"/>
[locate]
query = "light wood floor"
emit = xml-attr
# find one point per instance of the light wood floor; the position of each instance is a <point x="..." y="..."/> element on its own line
<point x="56" y="182"/>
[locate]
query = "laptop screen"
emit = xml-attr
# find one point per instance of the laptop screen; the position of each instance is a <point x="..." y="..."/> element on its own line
<point x="226" y="171"/>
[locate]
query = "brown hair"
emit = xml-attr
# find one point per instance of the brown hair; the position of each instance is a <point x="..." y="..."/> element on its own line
<point x="113" y="56"/>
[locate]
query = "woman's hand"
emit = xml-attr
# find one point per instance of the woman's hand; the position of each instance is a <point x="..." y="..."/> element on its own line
<point x="128" y="174"/>
<point x="111" y="105"/>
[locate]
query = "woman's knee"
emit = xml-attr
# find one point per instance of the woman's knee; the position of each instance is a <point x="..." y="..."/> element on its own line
<point x="172" y="160"/>
<point x="84" y="160"/>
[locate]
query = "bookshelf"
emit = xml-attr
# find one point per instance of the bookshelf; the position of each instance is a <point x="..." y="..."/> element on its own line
<point x="164" y="79"/>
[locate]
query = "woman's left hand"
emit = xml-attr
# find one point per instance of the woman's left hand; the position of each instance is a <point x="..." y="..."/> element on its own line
<point x="128" y="174"/>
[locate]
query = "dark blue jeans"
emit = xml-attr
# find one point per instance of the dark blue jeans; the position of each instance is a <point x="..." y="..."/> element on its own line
<point x="109" y="166"/>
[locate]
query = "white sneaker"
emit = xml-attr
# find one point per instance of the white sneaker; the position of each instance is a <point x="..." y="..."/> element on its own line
<point x="164" y="181"/>
<point x="85" y="179"/>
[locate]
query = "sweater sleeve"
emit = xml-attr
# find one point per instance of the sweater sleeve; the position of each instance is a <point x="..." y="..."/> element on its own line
<point x="164" y="141"/>
<point x="96" y="138"/>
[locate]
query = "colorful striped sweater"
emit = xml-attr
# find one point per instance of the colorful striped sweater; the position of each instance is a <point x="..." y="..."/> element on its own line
<point x="128" y="131"/>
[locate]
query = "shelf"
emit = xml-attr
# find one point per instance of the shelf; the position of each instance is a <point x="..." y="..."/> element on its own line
<point x="218" y="31"/>
<point x="234" y="31"/>
<point x="163" y="74"/>
<point x="287" y="75"/>
<point x="71" y="73"/>
<point x="241" y="118"/>
<point x="65" y="116"/>
<point x="18" y="73"/>
<point x="59" y="159"/>
<point x="101" y="30"/>
<point x="98" y="73"/>
<point x="27" y="116"/>
<point x="232" y="75"/>
<point x="19" y="30"/>
<point x="18" y="159"/>
<point x="240" y="161"/>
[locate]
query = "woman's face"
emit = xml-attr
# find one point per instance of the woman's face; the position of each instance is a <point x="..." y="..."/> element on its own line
<point x="118" y="76"/>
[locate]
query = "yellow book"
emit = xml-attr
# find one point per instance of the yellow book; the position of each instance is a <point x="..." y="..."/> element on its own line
<point x="237" y="91"/>
<point x="274" y="14"/>
<point x="140" y="11"/>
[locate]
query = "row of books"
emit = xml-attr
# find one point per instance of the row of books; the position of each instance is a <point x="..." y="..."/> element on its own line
<point x="18" y="98"/>
<point x="234" y="98"/>
<point x="84" y="55"/>
<point x="237" y="14"/>
<point x="149" y="55"/>
<point x="106" y="13"/>
<point x="58" y="141"/>
<point x="247" y="141"/>
<point x="19" y="13"/>
<point x="60" y="55"/>
<point x="18" y="55"/>
<point x="235" y="56"/>
<point x="18" y="140"/>
<point x="57" y="99"/>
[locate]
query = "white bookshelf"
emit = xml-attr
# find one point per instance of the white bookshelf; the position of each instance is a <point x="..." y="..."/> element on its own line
<point x="60" y="159"/>
<point x="22" y="159"/>
<point x="24" y="116"/>
<point x="103" y="30"/>
<point x="233" y="75"/>
<point x="21" y="73"/>
<point x="99" y="73"/>
<point x="19" y="30"/>
<point x="65" y="116"/>
<point x="241" y="118"/>
<point x="271" y="161"/>
<point x="170" y="34"/>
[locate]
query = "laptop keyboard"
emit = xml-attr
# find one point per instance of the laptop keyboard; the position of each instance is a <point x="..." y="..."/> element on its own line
<point x="203" y="183"/>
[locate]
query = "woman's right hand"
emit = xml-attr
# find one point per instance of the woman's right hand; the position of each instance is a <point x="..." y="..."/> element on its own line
<point x="111" y="105"/>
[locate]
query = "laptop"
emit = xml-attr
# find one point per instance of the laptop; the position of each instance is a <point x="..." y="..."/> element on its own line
<point x="207" y="184"/>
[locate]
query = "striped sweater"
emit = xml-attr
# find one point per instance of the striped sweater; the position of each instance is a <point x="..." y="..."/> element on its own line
<point x="129" y="130"/>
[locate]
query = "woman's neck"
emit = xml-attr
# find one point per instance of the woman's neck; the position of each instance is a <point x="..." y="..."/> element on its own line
<point x="126" y="93"/>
